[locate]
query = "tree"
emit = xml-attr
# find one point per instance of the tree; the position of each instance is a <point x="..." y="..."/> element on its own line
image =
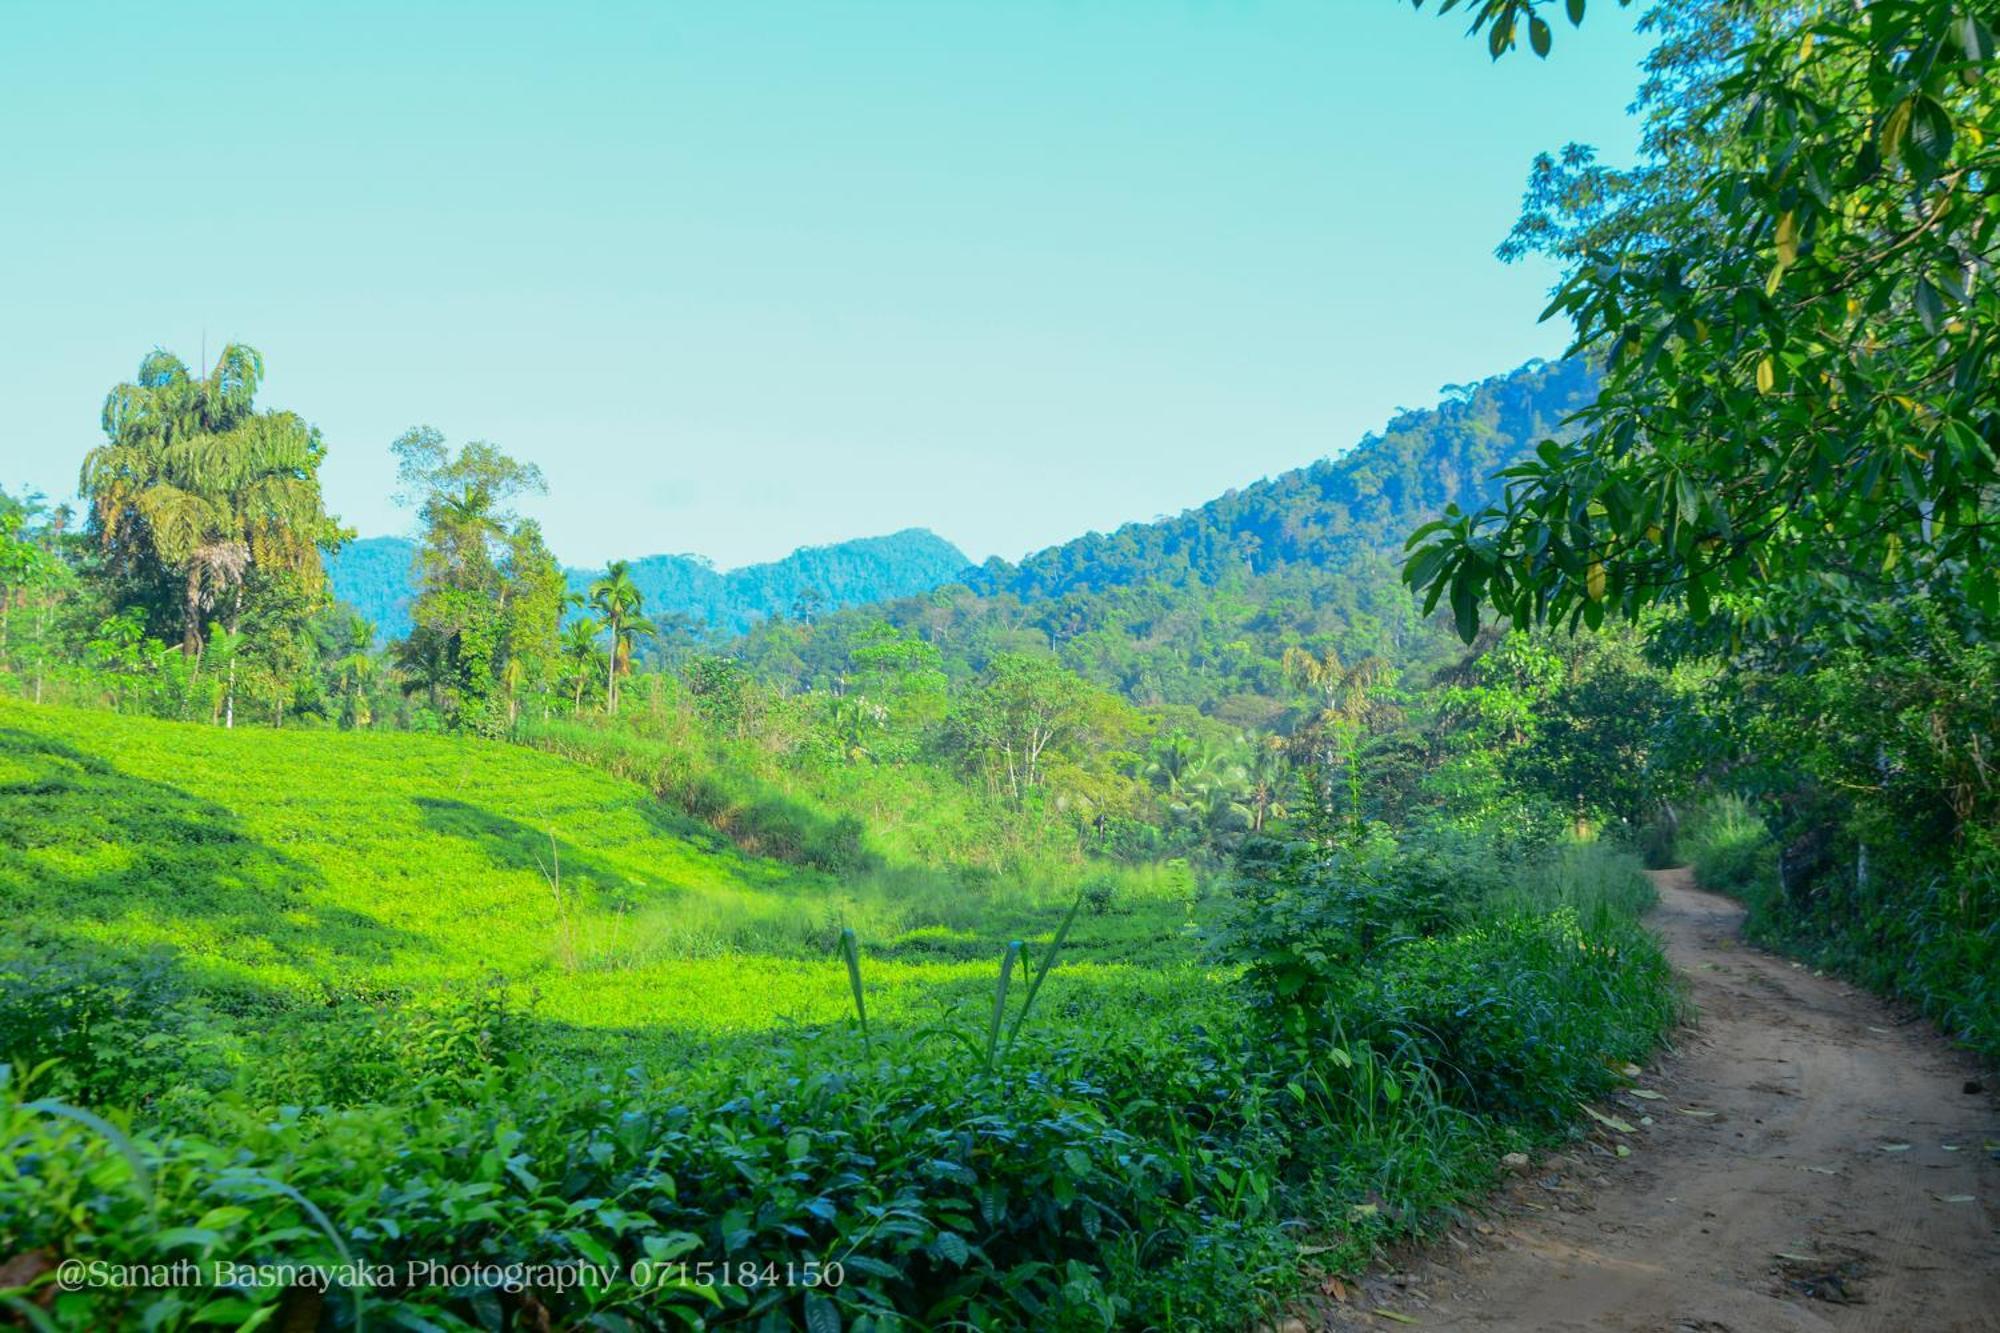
<point x="35" y="580"/>
<point x="1797" y="326"/>
<point x="534" y="596"/>
<point x="1266" y="775"/>
<point x="357" y="670"/>
<point x="582" y="659"/>
<point x="619" y="605"/>
<point x="1347" y="702"/>
<point x="197" y="497"/>
<point x="484" y="625"/>
<point x="1026" y="712"/>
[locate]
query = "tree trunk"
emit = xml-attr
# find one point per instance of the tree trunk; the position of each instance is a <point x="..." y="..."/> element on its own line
<point x="191" y="631"/>
<point x="229" y="688"/>
<point x="611" y="675"/>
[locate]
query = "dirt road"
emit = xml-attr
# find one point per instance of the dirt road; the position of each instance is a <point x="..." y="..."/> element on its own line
<point x="1813" y="1161"/>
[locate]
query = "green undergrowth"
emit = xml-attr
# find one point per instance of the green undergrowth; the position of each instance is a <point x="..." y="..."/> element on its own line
<point x="267" y="1004"/>
<point x="849" y="818"/>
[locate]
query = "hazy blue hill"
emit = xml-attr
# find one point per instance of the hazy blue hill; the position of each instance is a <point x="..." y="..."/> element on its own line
<point x="374" y="576"/>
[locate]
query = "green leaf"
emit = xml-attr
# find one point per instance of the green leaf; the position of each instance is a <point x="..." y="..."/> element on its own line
<point x="1976" y="39"/>
<point x="822" y="1315"/>
<point x="221" y="1219"/>
<point x="1930" y="307"/>
<point x="850" y="948"/>
<point x="1895" y="128"/>
<point x="1788" y="239"/>
<point x="1465" y="605"/>
<point x="1007" y="961"/>
<point x="1539" y="37"/>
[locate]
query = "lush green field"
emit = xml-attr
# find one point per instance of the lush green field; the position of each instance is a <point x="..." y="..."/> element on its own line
<point x="303" y="861"/>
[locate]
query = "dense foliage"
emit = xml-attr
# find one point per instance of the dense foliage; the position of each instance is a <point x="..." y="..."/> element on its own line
<point x="1198" y="611"/>
<point x="1790" y="474"/>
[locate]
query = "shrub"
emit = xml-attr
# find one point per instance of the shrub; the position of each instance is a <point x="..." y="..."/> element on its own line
<point x="1729" y="848"/>
<point x="111" y="1031"/>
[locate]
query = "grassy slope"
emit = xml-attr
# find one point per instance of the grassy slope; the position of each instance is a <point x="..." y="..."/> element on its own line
<point x="296" y="859"/>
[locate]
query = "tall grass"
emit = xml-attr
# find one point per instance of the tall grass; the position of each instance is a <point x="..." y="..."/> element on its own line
<point x="1728" y="847"/>
<point x="1600" y="882"/>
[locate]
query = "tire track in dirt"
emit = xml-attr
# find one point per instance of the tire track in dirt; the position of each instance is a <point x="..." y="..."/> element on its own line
<point x="1812" y="1161"/>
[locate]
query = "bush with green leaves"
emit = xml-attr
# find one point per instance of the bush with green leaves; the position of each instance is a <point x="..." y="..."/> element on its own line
<point x="102" y="1028"/>
<point x="1114" y="1166"/>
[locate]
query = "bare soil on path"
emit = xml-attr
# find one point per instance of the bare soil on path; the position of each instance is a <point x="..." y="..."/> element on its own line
<point x="1807" y="1160"/>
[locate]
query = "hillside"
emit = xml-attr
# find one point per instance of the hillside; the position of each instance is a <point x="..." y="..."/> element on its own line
<point x="288" y="862"/>
<point x="1198" y="610"/>
<point x="1329" y="513"/>
<point x="373" y="575"/>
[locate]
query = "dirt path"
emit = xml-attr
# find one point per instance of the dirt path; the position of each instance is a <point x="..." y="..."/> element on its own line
<point x="1838" y="1176"/>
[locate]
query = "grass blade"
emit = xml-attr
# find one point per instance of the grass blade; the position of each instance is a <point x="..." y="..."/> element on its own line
<point x="141" y="1177"/>
<point x="851" y="947"/>
<point x="1042" y="969"/>
<point x="1000" y="1000"/>
<point x="319" y="1219"/>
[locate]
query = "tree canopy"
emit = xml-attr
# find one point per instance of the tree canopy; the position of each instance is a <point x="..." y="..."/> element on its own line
<point x="1797" y="322"/>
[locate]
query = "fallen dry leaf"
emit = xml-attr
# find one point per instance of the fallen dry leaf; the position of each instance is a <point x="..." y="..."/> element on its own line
<point x="1608" y="1121"/>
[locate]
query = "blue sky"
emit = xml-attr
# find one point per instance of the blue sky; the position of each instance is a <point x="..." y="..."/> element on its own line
<point x="742" y="275"/>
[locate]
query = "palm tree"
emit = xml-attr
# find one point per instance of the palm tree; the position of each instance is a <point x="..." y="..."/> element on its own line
<point x="195" y="482"/>
<point x="197" y="488"/>
<point x="1267" y="777"/>
<point x="1348" y="705"/>
<point x="1345" y="693"/>
<point x="580" y="655"/>
<point x="512" y="677"/>
<point x="423" y="660"/>
<point x="1174" y="763"/>
<point x="619" y="604"/>
<point x="357" y="672"/>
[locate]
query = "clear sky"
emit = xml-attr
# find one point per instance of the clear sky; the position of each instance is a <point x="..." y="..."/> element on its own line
<point x="742" y="275"/>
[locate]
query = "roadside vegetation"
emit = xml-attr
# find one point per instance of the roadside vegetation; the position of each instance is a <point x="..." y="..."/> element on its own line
<point x="376" y="998"/>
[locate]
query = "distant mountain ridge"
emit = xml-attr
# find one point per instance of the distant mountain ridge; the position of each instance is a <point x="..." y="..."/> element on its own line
<point x="375" y="575"/>
<point x="1199" y="609"/>
<point x="1330" y="512"/>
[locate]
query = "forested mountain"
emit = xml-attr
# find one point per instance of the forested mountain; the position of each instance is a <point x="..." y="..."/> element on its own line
<point x="1198" y="609"/>
<point x="374" y="575"/>
<point x="1325" y="514"/>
